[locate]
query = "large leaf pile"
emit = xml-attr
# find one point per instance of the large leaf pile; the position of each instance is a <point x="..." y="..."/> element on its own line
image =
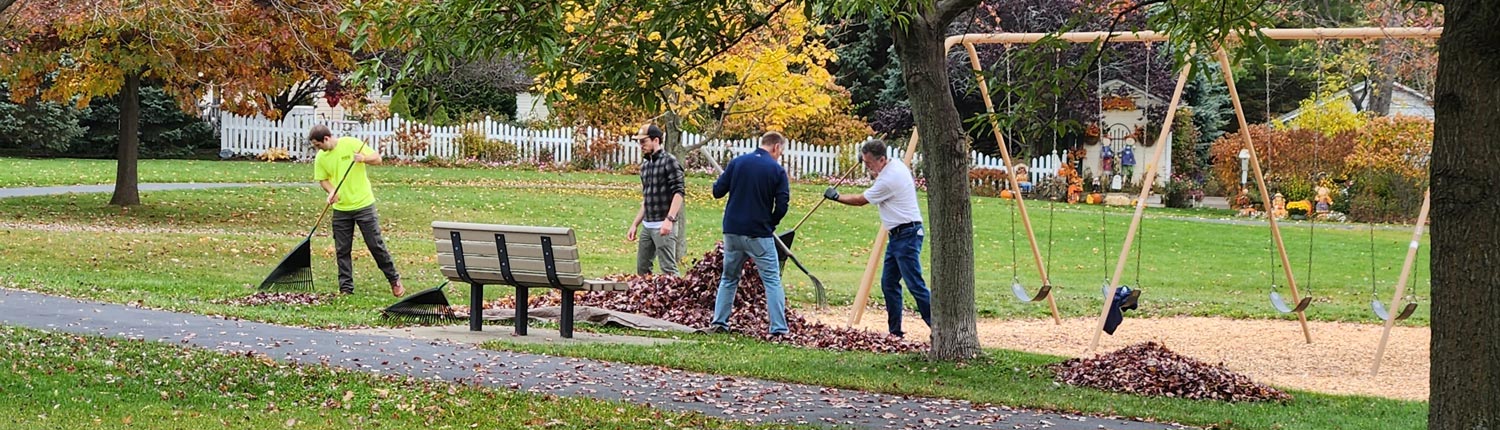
<point x="689" y="300"/>
<point x="1153" y="370"/>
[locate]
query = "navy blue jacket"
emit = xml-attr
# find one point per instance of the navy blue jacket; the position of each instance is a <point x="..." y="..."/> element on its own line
<point x="758" y="194"/>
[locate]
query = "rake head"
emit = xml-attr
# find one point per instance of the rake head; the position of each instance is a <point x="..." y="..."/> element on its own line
<point x="426" y="305"/>
<point x="294" y="272"/>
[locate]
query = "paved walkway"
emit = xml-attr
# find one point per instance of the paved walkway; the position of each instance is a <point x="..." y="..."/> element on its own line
<point x="109" y="188"/>
<point x="728" y="397"/>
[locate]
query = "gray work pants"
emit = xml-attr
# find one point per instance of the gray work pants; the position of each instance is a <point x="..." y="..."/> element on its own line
<point x="343" y="242"/>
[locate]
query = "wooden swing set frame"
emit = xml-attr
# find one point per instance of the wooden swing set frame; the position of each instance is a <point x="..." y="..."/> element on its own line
<point x="969" y="40"/>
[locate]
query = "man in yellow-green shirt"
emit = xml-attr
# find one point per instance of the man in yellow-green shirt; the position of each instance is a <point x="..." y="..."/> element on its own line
<point x="340" y="169"/>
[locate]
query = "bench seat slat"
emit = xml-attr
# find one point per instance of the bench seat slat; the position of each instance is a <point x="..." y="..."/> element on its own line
<point x="603" y="285"/>
<point x="564" y="267"/>
<point x="537" y="280"/>
<point x="513" y="234"/>
<point x="491" y="276"/>
<point x="487" y="249"/>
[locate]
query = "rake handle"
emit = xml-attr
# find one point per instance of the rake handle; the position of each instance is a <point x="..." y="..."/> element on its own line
<point x="815" y="207"/>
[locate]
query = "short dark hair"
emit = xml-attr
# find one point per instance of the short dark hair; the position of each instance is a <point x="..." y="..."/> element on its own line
<point x="654" y="132"/>
<point x="319" y="133"/>
<point x="772" y="138"/>
<point x="875" y="148"/>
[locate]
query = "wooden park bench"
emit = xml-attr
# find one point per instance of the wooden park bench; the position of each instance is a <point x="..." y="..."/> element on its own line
<point x="519" y="256"/>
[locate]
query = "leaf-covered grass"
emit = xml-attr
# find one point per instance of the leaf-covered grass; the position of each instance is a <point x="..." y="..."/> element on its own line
<point x="1009" y="378"/>
<point x="194" y="250"/>
<point x="62" y="381"/>
<point x="182" y="249"/>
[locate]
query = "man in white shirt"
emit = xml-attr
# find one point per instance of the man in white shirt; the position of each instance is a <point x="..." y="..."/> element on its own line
<point x="894" y="194"/>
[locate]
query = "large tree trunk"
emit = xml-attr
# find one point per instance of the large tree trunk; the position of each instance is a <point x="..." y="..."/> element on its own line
<point x="127" y="189"/>
<point x="1382" y="84"/>
<point x="1466" y="296"/>
<point x="945" y="152"/>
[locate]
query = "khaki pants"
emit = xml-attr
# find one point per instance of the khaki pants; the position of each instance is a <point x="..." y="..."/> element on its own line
<point x="666" y="250"/>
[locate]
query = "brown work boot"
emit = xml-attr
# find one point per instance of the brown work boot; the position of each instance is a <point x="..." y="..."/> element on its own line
<point x="397" y="289"/>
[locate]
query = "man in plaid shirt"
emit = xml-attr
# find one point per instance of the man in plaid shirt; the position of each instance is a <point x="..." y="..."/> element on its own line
<point x="662" y="191"/>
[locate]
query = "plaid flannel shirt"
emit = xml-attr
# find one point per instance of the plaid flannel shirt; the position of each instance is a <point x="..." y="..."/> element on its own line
<point x="661" y="178"/>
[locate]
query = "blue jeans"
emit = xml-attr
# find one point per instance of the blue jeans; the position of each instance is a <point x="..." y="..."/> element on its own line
<point x="762" y="250"/>
<point x="903" y="261"/>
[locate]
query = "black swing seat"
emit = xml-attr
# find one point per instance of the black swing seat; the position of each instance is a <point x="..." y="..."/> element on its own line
<point x="1131" y="300"/>
<point x="1380" y="311"/>
<point x="1025" y="296"/>
<point x="1280" y="304"/>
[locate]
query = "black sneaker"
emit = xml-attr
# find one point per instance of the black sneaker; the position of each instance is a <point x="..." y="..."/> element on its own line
<point x="715" y="329"/>
<point x="346" y="291"/>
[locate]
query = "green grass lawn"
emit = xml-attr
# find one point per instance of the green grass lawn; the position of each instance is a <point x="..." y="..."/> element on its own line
<point x="182" y="250"/>
<point x="192" y="250"/>
<point x="62" y="381"/>
<point x="1009" y="378"/>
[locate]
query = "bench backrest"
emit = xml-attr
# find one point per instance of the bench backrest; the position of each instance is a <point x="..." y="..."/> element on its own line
<point x="525" y="247"/>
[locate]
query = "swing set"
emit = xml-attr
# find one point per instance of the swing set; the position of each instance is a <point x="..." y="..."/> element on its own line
<point x="1046" y="288"/>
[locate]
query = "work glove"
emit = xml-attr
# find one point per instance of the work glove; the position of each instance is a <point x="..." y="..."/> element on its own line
<point x="831" y="194"/>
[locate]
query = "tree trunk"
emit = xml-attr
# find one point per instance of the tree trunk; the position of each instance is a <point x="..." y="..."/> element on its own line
<point x="127" y="189"/>
<point x="1466" y="297"/>
<point x="944" y="148"/>
<point x="671" y="127"/>
<point x="1383" y="82"/>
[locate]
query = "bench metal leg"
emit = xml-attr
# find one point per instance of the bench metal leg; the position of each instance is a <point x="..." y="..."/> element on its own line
<point x="521" y="311"/>
<point x="567" y="313"/>
<point x="476" y="307"/>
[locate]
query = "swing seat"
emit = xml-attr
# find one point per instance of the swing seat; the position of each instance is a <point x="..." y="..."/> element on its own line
<point x="1280" y="304"/>
<point x="1129" y="302"/>
<point x="1380" y="311"/>
<point x="1025" y="296"/>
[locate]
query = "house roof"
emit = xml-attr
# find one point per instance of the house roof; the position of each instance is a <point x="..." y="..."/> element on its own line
<point x="1135" y="88"/>
<point x="1344" y="95"/>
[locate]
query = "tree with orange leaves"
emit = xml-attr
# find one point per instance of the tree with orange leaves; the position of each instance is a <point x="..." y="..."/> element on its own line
<point x="246" y="49"/>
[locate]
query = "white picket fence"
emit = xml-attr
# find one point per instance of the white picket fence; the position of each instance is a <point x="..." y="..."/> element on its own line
<point x="252" y="136"/>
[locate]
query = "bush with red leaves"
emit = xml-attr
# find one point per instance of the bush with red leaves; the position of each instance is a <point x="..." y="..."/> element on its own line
<point x="689" y="300"/>
<point x="1151" y="369"/>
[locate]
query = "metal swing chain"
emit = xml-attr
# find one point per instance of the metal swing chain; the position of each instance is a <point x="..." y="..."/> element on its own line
<point x="1103" y="224"/>
<point x="1052" y="206"/>
<point x="1140" y="235"/>
<point x="1266" y="199"/>
<point x="1373" y="294"/>
<point x="1412" y="281"/>
<point x="1015" y="265"/>
<point x="1312" y="219"/>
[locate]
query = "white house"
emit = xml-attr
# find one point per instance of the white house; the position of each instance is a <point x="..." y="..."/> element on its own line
<point x="1404" y="101"/>
<point x="1117" y="131"/>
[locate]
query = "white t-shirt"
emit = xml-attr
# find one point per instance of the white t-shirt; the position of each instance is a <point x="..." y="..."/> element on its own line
<point x="894" y="194"/>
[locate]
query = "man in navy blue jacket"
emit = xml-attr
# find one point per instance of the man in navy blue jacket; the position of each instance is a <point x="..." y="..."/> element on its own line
<point x="758" y="194"/>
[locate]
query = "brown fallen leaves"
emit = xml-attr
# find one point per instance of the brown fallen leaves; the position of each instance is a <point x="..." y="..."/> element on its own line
<point x="1153" y="370"/>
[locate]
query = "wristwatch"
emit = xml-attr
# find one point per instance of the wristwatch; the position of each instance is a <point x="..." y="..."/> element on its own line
<point x="671" y="218"/>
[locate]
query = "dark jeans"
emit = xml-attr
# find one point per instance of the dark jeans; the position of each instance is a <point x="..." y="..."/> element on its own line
<point x="903" y="262"/>
<point x="343" y="240"/>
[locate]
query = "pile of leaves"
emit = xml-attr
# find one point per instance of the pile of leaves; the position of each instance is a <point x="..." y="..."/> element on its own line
<point x="689" y="300"/>
<point x="1153" y="370"/>
<point x="277" y="298"/>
